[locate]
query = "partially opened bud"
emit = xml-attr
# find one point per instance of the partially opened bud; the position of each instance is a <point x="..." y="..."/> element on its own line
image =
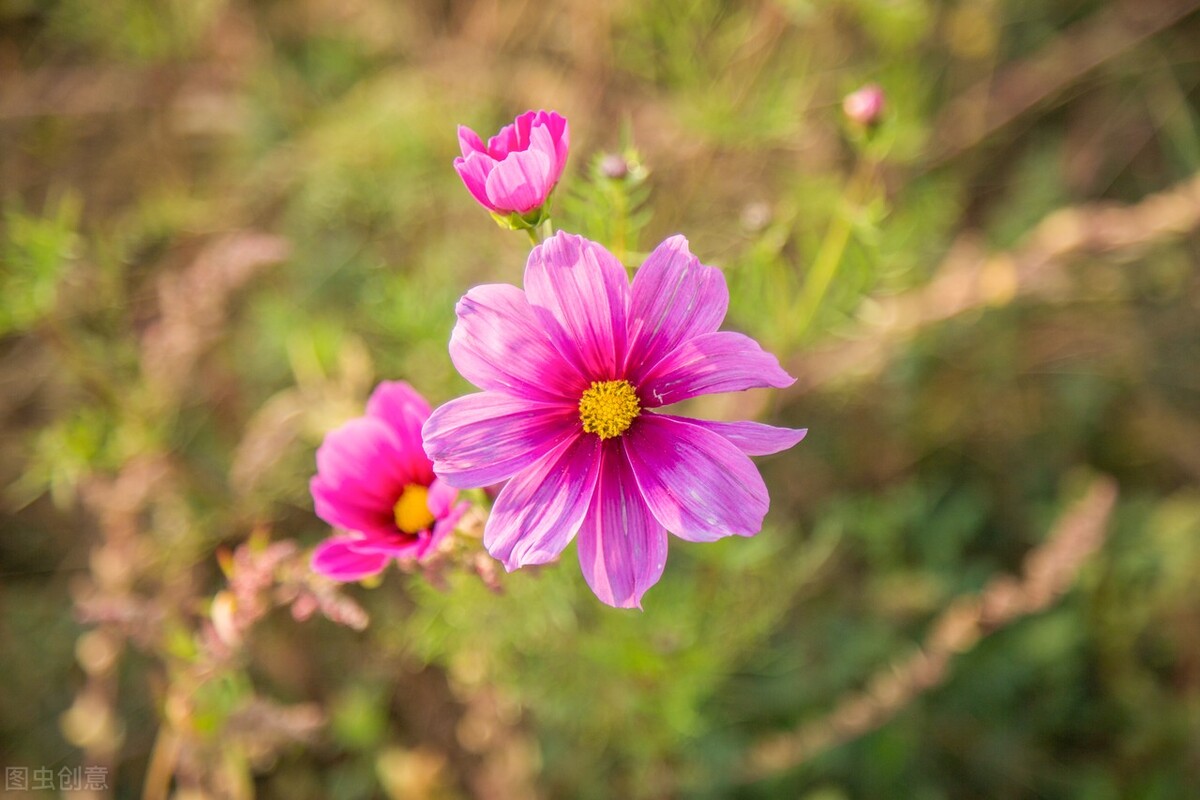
<point x="518" y="168"/>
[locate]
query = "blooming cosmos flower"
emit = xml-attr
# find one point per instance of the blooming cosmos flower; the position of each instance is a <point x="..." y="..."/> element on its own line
<point x="375" y="482"/>
<point x="519" y="167"/>
<point x="572" y="370"/>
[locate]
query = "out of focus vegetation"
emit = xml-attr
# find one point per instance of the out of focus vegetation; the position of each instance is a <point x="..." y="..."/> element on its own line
<point x="224" y="220"/>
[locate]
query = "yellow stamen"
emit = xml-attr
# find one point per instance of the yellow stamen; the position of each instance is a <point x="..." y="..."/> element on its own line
<point x="412" y="509"/>
<point x="608" y="408"/>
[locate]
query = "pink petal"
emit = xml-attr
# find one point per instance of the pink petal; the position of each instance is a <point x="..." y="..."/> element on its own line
<point x="361" y="469"/>
<point x="469" y="142"/>
<point x="487" y="437"/>
<point x="560" y="134"/>
<point x="581" y="295"/>
<point x="622" y="547"/>
<point x="440" y="498"/>
<point x="696" y="482"/>
<point x="521" y="182"/>
<point x="675" y="298"/>
<point x="541" y="508"/>
<point x="343" y="508"/>
<point x="335" y="558"/>
<point x="752" y="438"/>
<point x="499" y="345"/>
<point x="404" y="410"/>
<point x="714" y="362"/>
<point x="403" y="546"/>
<point x="508" y="139"/>
<point x="442" y="528"/>
<point x="474" y="171"/>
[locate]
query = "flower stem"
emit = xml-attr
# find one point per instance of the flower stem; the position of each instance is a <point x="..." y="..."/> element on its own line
<point x="833" y="247"/>
<point x="540" y="232"/>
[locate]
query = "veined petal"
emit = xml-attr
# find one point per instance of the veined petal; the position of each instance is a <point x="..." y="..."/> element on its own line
<point x="539" y="511"/>
<point x="674" y="298"/>
<point x="336" y="558"/>
<point x="697" y="483"/>
<point x="622" y="547"/>
<point x="752" y="438"/>
<point x="714" y="362"/>
<point x="401" y="408"/>
<point x="469" y="142"/>
<point x="474" y="170"/>
<point x="508" y="139"/>
<point x="484" y="438"/>
<point x="498" y="344"/>
<point x="580" y="294"/>
<point x="560" y="134"/>
<point x="521" y="182"/>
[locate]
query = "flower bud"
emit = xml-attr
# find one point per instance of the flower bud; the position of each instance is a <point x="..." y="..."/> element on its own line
<point x="865" y="106"/>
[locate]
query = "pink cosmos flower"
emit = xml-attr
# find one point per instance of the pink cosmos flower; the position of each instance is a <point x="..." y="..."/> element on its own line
<point x="573" y="370"/>
<point x="375" y="482"/>
<point x="519" y="167"/>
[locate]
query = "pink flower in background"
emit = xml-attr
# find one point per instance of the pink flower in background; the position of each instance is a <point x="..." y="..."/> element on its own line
<point x="519" y="167"/>
<point x="375" y="482"/>
<point x="866" y="105"/>
<point x="571" y="369"/>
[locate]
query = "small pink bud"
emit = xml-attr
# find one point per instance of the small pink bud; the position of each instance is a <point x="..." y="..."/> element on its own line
<point x="614" y="166"/>
<point x="866" y="105"/>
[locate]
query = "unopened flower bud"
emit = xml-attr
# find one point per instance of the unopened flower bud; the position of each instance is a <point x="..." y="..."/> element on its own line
<point x="865" y="106"/>
<point x="614" y="166"/>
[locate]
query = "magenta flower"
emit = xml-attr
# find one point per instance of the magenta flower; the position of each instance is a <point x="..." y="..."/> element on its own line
<point x="571" y="369"/>
<point x="519" y="167"/>
<point x="375" y="482"/>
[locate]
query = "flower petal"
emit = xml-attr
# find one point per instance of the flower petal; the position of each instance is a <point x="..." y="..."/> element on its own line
<point x="541" y="508"/>
<point x="580" y="293"/>
<point x="441" y="496"/>
<point x="752" y="438"/>
<point x="560" y="134"/>
<point x="508" y="139"/>
<point x="622" y="547"/>
<point x="404" y="410"/>
<point x="487" y="437"/>
<point x="714" y="362"/>
<point x="469" y="141"/>
<point x="696" y="482"/>
<point x="344" y="508"/>
<point x="336" y="558"/>
<point x="674" y="298"/>
<point x="521" y="182"/>
<point x="361" y="468"/>
<point x="498" y="345"/>
<point x="474" y="171"/>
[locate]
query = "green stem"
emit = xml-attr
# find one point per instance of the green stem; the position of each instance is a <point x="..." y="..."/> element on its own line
<point x="833" y="248"/>
<point x="540" y="232"/>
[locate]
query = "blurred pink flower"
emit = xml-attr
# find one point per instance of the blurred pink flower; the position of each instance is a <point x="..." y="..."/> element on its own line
<point x="866" y="105"/>
<point x="375" y="482"/>
<point x="519" y="167"/>
<point x="570" y="369"/>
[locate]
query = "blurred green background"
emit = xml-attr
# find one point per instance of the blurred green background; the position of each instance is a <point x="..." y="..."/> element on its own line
<point x="224" y="220"/>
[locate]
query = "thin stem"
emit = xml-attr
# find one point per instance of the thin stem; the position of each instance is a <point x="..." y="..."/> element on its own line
<point x="833" y="248"/>
<point x="541" y="232"/>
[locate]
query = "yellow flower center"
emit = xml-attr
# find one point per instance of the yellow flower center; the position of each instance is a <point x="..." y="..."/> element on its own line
<point x="412" y="509"/>
<point x="608" y="408"/>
